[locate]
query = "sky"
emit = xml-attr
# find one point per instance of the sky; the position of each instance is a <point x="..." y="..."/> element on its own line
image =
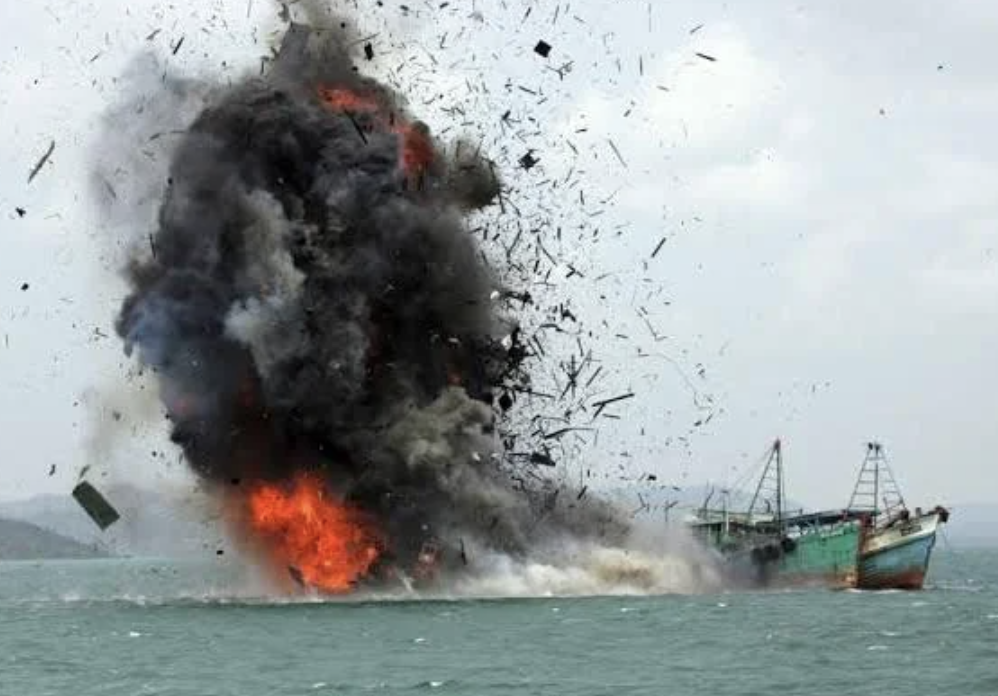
<point x="824" y="187"/>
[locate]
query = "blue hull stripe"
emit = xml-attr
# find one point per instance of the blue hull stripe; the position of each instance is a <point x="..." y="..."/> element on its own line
<point x="911" y="557"/>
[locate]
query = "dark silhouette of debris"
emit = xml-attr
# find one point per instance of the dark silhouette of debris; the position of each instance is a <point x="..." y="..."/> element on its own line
<point x="52" y="470"/>
<point x="41" y="162"/>
<point x="542" y="458"/>
<point x="96" y="505"/>
<point x="369" y="51"/>
<point x="296" y="575"/>
<point x="219" y="552"/>
<point x="179" y="44"/>
<point x="613" y="146"/>
<point x="658" y="247"/>
<point x="21" y="212"/>
<point x="528" y="161"/>
<point x="695" y="29"/>
<point x="505" y="401"/>
<point x="543" y="49"/>
<point x="564" y="431"/>
<point x="712" y="59"/>
<point x="360" y="131"/>
<point x="24" y="286"/>
<point x="600" y="405"/>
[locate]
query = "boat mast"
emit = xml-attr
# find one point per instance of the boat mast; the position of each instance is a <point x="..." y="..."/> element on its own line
<point x="770" y="486"/>
<point x="875" y="485"/>
<point x="779" y="484"/>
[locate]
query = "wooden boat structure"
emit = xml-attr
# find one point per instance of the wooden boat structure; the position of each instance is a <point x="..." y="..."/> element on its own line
<point x="896" y="544"/>
<point x="873" y="543"/>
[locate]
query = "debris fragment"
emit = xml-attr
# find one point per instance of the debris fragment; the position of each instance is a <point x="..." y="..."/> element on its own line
<point x="41" y="162"/>
<point x="360" y="131"/>
<point x="600" y="405"/>
<point x="21" y="212"/>
<point x="505" y="401"/>
<point x="613" y="146"/>
<point x="24" y="286"/>
<point x="542" y="458"/>
<point x="95" y="505"/>
<point x="712" y="59"/>
<point x="543" y="49"/>
<point x="658" y="247"/>
<point x="296" y="575"/>
<point x="368" y="51"/>
<point x="52" y="470"/>
<point x="695" y="29"/>
<point x="528" y="161"/>
<point x="178" y="45"/>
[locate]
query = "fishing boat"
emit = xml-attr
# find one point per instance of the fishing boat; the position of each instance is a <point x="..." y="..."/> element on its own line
<point x="767" y="547"/>
<point x="896" y="544"/>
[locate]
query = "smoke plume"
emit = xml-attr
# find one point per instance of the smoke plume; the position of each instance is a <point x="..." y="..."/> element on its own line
<point x="329" y="340"/>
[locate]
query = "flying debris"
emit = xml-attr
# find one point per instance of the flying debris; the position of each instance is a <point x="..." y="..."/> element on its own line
<point x="95" y="505"/>
<point x="543" y="49"/>
<point x="41" y="162"/>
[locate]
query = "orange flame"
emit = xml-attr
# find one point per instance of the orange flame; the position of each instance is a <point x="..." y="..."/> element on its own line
<point x="324" y="543"/>
<point x="417" y="149"/>
<point x="345" y="100"/>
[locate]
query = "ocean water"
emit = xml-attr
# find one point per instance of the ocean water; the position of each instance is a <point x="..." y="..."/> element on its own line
<point x="179" y="628"/>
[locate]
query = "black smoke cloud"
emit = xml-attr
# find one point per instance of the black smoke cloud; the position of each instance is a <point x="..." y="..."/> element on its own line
<point x="311" y="305"/>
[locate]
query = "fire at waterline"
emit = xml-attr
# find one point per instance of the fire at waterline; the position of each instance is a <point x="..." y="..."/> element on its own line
<point x="331" y="346"/>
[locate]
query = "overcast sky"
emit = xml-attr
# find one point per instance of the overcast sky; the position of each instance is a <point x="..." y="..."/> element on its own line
<point x="825" y="187"/>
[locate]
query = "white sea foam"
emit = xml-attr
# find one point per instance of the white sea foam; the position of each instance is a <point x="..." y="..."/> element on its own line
<point x="581" y="569"/>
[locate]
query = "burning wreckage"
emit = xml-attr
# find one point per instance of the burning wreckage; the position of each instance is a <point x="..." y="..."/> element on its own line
<point x="330" y="341"/>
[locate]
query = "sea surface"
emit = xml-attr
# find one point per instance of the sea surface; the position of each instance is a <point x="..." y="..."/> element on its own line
<point x="176" y="628"/>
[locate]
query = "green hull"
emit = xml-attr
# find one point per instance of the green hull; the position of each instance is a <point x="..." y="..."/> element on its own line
<point x="825" y="555"/>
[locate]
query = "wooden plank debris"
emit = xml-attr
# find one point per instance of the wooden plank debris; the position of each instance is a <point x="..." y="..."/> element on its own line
<point x="95" y="505"/>
<point x="41" y="162"/>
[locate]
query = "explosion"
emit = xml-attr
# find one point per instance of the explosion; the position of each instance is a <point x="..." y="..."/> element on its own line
<point x="329" y="340"/>
<point x="324" y="543"/>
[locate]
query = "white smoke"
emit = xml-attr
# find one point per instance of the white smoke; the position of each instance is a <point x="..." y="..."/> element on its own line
<point x="646" y="564"/>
